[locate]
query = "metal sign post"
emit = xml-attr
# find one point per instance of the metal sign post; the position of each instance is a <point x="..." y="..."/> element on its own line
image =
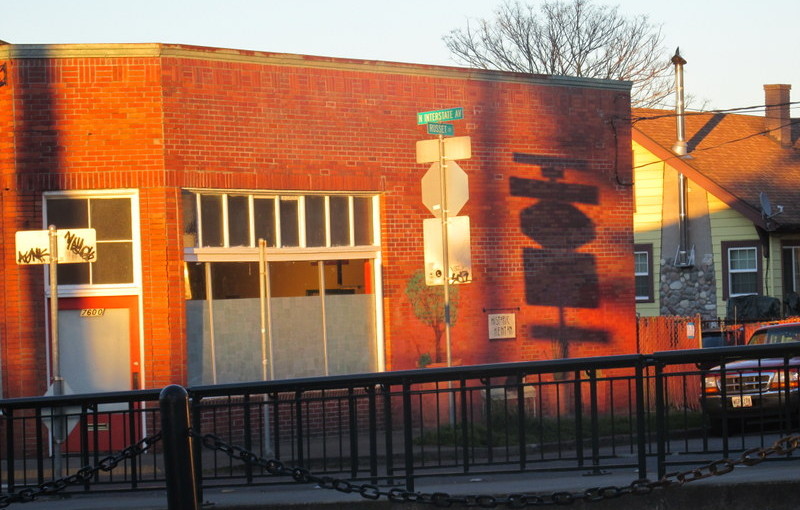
<point x="441" y="151"/>
<point x="445" y="247"/>
<point x="53" y="247"/>
<point x="59" y="432"/>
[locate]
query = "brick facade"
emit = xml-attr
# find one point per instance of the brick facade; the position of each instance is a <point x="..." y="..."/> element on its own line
<point x="550" y="184"/>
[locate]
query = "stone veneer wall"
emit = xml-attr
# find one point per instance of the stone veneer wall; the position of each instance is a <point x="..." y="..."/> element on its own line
<point x="688" y="291"/>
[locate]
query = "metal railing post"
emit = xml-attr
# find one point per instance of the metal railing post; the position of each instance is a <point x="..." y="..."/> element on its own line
<point x="641" y="431"/>
<point x="388" y="431"/>
<point x="578" y="418"/>
<point x="661" y="417"/>
<point x="407" y="436"/>
<point x="178" y="452"/>
<point x="594" y="423"/>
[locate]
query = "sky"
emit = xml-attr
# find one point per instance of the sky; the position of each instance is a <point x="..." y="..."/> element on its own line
<point x="733" y="47"/>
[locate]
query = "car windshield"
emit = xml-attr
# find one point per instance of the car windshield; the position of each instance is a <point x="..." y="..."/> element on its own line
<point x="775" y="336"/>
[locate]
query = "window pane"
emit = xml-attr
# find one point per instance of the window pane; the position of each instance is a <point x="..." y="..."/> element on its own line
<point x="362" y="221"/>
<point x="742" y="259"/>
<point x="290" y="233"/>
<point x="211" y="216"/>
<point x="114" y="263"/>
<point x="234" y="280"/>
<point x="74" y="274"/>
<point x="640" y="263"/>
<point x="349" y="317"/>
<point x="743" y="283"/>
<point x="340" y="221"/>
<point x="264" y="219"/>
<point x="195" y="281"/>
<point x="642" y="287"/>
<point x="189" y="219"/>
<point x="238" y="221"/>
<point x="111" y="218"/>
<point x="293" y="279"/>
<point x="68" y="212"/>
<point x="315" y="221"/>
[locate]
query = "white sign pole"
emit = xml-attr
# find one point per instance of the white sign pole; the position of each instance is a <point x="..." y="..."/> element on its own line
<point x="58" y="382"/>
<point x="445" y="246"/>
<point x="446" y="264"/>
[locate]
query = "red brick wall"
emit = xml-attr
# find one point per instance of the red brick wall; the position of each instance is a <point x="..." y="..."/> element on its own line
<point x="80" y="124"/>
<point x="549" y="183"/>
<point x="248" y="125"/>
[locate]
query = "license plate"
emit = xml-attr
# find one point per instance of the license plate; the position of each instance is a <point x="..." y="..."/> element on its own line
<point x="742" y="401"/>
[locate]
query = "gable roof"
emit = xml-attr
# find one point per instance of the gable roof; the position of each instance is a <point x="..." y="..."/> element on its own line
<point x="731" y="156"/>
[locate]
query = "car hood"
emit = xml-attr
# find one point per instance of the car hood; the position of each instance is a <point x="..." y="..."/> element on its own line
<point x="759" y="364"/>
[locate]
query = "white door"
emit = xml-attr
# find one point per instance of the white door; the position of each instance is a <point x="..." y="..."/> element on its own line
<point x="95" y="350"/>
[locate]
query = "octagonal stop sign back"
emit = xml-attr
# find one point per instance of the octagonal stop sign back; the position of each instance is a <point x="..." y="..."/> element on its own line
<point x="456" y="185"/>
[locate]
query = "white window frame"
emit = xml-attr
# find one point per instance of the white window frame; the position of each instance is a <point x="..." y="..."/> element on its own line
<point x="732" y="271"/>
<point x="302" y="251"/>
<point x="645" y="273"/>
<point x="103" y="289"/>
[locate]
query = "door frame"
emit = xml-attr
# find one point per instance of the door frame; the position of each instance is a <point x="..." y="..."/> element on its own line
<point x="131" y="303"/>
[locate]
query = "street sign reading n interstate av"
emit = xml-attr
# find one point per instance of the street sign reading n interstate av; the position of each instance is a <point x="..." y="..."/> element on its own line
<point x="440" y="115"/>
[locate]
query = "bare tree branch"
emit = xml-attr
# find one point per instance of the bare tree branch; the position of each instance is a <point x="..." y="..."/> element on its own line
<point x="569" y="38"/>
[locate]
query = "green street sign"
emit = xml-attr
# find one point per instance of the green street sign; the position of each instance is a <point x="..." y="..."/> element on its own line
<point x="440" y="115"/>
<point x="441" y="129"/>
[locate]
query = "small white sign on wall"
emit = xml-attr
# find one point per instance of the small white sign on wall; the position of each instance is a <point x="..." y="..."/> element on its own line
<point x="502" y="325"/>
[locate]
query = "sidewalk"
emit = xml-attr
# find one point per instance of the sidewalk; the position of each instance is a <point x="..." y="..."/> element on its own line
<point x="773" y="485"/>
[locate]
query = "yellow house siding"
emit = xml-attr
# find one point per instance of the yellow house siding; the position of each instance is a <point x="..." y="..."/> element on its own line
<point x="729" y="225"/>
<point x="648" y="194"/>
<point x="773" y="285"/>
<point x="648" y="191"/>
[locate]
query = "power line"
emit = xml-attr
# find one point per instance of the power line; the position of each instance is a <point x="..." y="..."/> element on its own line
<point x="791" y="104"/>
<point x="727" y="142"/>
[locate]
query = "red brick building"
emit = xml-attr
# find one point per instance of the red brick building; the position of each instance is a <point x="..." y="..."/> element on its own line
<point x="181" y="158"/>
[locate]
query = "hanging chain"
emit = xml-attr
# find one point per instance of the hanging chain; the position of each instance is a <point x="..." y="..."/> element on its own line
<point x="751" y="457"/>
<point x="83" y="476"/>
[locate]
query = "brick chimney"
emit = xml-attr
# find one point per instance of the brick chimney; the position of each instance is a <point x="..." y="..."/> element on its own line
<point x="778" y="120"/>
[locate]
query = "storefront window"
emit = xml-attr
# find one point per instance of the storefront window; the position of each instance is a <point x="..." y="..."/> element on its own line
<point x="320" y="314"/>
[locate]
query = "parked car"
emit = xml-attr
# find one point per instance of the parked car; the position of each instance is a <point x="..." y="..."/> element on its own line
<point x="722" y="337"/>
<point x="756" y="388"/>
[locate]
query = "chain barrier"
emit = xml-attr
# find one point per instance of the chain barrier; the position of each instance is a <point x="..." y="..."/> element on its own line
<point x="751" y="457"/>
<point x="82" y="476"/>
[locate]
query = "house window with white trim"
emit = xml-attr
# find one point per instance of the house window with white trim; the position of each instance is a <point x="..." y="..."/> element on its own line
<point x="643" y="272"/>
<point x="742" y="268"/>
<point x="281" y="285"/>
<point x="791" y="267"/>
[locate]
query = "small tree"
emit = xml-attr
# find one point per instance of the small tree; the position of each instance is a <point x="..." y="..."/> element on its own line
<point x="575" y="38"/>
<point x="427" y="301"/>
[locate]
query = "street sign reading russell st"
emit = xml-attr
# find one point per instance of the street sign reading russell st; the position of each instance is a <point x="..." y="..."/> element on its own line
<point x="441" y="129"/>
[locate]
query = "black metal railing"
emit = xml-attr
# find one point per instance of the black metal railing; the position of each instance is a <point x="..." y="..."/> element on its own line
<point x="588" y="415"/>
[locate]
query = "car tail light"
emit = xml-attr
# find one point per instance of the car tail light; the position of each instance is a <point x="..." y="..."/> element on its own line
<point x="711" y="384"/>
<point x="779" y="381"/>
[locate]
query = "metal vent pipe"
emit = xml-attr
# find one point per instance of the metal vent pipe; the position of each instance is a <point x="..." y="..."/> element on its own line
<point x="682" y="258"/>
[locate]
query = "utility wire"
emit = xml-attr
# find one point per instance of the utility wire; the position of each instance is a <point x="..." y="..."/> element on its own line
<point x="635" y="118"/>
<point x="721" y="144"/>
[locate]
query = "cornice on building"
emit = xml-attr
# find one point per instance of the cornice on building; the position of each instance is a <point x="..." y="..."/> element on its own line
<point x="159" y="50"/>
